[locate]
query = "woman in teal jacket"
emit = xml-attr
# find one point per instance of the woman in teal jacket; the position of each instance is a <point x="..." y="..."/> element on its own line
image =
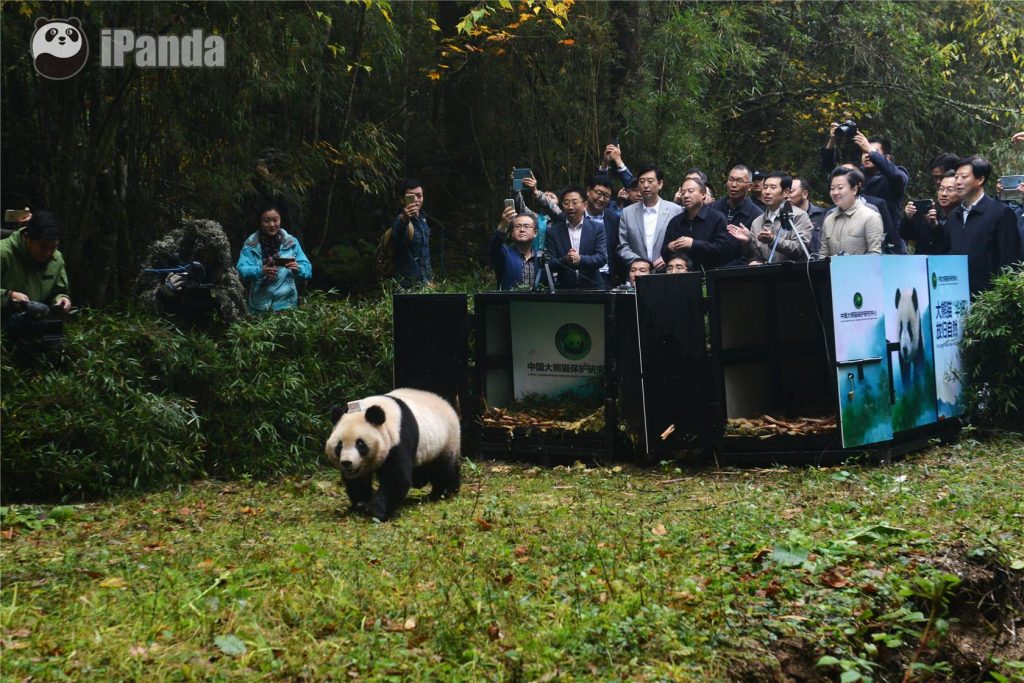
<point x="270" y="262"/>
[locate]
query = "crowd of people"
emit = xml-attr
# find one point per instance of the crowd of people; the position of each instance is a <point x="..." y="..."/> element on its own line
<point x="600" y="237"/>
<point x="593" y="237"/>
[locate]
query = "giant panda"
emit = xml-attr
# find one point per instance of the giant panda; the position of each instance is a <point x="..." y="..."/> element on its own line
<point x="911" y="356"/>
<point x="408" y="438"/>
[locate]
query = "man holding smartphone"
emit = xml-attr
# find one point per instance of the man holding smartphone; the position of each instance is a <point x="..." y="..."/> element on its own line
<point x="924" y="220"/>
<point x="516" y="264"/>
<point x="410" y="238"/>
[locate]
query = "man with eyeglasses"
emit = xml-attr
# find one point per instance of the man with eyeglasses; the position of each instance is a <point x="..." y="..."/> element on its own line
<point x="599" y="195"/>
<point x="576" y="247"/>
<point x="642" y="226"/>
<point x="925" y="227"/>
<point x="981" y="227"/>
<point x="515" y="265"/>
<point x="737" y="207"/>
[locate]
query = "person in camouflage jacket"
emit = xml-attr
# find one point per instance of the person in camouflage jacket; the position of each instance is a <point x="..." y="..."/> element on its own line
<point x="211" y="289"/>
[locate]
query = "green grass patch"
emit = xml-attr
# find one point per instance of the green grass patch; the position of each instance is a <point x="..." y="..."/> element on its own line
<point x="534" y="574"/>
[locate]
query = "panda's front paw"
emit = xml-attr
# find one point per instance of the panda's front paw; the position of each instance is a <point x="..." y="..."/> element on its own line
<point x="360" y="508"/>
<point x="378" y="512"/>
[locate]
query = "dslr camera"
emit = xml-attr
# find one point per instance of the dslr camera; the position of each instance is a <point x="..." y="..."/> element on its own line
<point x="847" y="129"/>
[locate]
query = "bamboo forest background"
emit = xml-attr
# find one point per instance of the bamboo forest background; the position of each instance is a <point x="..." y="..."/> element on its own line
<point x="327" y="105"/>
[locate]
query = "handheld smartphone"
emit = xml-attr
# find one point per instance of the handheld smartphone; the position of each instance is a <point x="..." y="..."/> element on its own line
<point x="1011" y="182"/>
<point x="510" y="203"/>
<point x="923" y="206"/>
<point x="16" y="215"/>
<point x="517" y="178"/>
<point x="409" y="199"/>
<point x="281" y="261"/>
<point x="614" y="141"/>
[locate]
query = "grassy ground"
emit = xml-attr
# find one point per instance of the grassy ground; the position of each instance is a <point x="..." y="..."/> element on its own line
<point x="533" y="574"/>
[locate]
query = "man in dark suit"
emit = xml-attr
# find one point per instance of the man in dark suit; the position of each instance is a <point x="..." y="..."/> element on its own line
<point x="642" y="226"/>
<point x="982" y="227"/>
<point x="576" y="247"/>
<point x="737" y="206"/>
<point x="699" y="232"/>
<point x="599" y="194"/>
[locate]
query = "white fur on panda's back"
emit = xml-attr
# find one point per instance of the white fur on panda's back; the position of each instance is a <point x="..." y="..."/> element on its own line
<point x="438" y="424"/>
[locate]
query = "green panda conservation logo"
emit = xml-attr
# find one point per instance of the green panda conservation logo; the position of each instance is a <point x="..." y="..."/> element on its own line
<point x="935" y="280"/>
<point x="573" y="341"/>
<point x="59" y="48"/>
<point x="858" y="300"/>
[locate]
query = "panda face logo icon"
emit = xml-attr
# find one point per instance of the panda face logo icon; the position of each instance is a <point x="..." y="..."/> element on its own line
<point x="573" y="341"/>
<point x="59" y="48"/>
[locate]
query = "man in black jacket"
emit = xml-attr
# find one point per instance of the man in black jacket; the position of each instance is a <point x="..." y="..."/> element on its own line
<point x="883" y="178"/>
<point x="982" y="227"/>
<point x="699" y="232"/>
<point x="737" y="206"/>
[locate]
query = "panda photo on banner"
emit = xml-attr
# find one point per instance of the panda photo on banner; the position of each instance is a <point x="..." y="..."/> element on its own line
<point x="908" y="324"/>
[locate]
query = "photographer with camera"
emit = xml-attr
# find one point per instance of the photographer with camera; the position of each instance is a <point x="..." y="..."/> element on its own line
<point x="925" y="220"/>
<point x="31" y="267"/>
<point x="882" y="177"/>
<point x="188" y="276"/>
<point x="33" y="283"/>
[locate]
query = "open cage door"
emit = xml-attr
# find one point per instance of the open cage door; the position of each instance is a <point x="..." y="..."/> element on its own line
<point x="676" y="392"/>
<point x="431" y="333"/>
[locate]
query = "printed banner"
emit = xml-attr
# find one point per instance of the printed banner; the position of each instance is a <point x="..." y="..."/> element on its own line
<point x="557" y="349"/>
<point x="908" y="329"/>
<point x="951" y="297"/>
<point x="862" y="374"/>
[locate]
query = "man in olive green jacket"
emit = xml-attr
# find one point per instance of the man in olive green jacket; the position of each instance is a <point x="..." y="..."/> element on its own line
<point x="31" y="268"/>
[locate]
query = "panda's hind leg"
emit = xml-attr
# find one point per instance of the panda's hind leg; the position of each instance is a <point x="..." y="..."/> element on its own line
<point x="445" y="477"/>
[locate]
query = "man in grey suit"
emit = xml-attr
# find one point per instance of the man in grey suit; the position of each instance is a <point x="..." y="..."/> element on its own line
<point x="642" y="226"/>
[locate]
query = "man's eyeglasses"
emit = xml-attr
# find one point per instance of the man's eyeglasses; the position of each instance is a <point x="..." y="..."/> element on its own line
<point x="571" y="202"/>
<point x="602" y="194"/>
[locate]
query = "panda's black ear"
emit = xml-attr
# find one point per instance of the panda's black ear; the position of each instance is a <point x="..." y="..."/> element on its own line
<point x="914" y="299"/>
<point x="897" y="298"/>
<point x="375" y="415"/>
<point x="337" y="412"/>
<point x="75" y="22"/>
<point x="41" y="20"/>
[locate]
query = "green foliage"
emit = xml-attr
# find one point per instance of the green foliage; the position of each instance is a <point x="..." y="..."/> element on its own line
<point x="993" y="351"/>
<point x="135" y="402"/>
<point x="571" y="573"/>
<point x="324" y="106"/>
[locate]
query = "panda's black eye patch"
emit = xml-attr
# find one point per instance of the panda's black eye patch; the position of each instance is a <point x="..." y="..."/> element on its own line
<point x="362" y="447"/>
<point x="73" y="35"/>
<point x="51" y="34"/>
